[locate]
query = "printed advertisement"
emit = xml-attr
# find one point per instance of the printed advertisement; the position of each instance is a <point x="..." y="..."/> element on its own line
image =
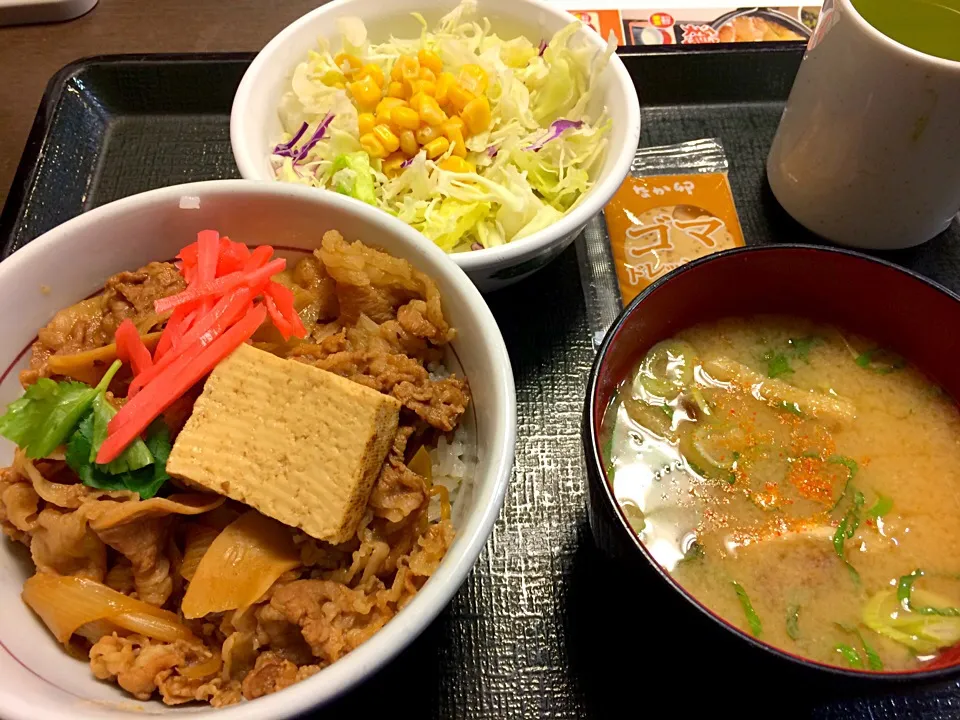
<point x="683" y="26"/>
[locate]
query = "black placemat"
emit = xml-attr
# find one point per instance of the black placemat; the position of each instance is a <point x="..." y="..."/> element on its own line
<point x="544" y="626"/>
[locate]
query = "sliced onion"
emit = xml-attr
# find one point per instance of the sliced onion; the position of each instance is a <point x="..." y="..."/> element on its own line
<point x="65" y="603"/>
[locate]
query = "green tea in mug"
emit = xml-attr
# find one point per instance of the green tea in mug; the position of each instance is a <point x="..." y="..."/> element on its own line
<point x="930" y="26"/>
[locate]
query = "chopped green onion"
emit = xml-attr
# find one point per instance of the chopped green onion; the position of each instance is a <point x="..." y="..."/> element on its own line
<point x="694" y="552"/>
<point x="607" y="458"/>
<point x="880" y="361"/>
<point x="777" y="364"/>
<point x="874" y="662"/>
<point x="850" y="654"/>
<point x="852" y="468"/>
<point x="801" y="346"/>
<point x="791" y="407"/>
<point x="873" y="658"/>
<point x="845" y="530"/>
<point x="667" y="368"/>
<point x="701" y="401"/>
<point x="881" y="507"/>
<point x="698" y="457"/>
<point x="924" y="634"/>
<point x="793" y="621"/>
<point x="849" y="524"/>
<point x="904" y="591"/>
<point x="756" y="627"/>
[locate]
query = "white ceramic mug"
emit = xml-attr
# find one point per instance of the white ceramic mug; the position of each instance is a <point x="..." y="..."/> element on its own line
<point x="868" y="149"/>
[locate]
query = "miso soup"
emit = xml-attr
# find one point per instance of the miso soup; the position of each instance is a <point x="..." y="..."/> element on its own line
<point x="801" y="483"/>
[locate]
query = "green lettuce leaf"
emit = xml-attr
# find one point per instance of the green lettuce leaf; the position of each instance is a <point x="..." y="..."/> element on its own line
<point x="353" y="176"/>
<point x="145" y="480"/>
<point x="44" y="418"/>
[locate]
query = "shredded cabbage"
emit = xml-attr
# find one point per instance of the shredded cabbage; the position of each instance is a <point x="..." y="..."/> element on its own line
<point x="538" y="157"/>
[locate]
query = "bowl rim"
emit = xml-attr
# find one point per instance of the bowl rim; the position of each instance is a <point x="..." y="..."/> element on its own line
<point x="475" y="260"/>
<point x="596" y="473"/>
<point x="436" y="594"/>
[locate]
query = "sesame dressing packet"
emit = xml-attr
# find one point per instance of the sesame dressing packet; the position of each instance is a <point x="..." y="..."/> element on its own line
<point x="675" y="206"/>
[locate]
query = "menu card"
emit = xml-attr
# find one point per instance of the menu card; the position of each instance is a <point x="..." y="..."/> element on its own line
<point x="653" y="25"/>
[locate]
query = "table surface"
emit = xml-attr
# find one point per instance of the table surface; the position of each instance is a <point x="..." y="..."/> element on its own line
<point x="30" y="55"/>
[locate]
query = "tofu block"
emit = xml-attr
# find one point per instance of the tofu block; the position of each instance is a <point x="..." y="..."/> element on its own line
<point x="299" y="444"/>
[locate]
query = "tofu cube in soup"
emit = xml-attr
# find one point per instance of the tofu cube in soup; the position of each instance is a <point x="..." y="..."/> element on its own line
<point x="297" y="443"/>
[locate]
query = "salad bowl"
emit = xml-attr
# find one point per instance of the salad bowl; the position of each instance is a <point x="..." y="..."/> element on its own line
<point x="255" y="123"/>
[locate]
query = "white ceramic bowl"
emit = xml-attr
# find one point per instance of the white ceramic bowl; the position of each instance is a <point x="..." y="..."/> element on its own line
<point x="38" y="680"/>
<point x="255" y="124"/>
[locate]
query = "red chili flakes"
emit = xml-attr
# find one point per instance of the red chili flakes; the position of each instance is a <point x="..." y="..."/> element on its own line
<point x="770" y="498"/>
<point x="807" y="476"/>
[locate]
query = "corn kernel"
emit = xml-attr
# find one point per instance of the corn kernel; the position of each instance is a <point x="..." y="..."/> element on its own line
<point x="406" y="68"/>
<point x="386" y="137"/>
<point x="459" y="97"/>
<point x="396" y="72"/>
<point x="408" y="143"/>
<point x="444" y="81"/>
<point x="427" y="74"/>
<point x="386" y="106"/>
<point x="457" y="165"/>
<point x="339" y="86"/>
<point x="474" y="79"/>
<point x="424" y="87"/>
<point x="405" y="117"/>
<point x="416" y="100"/>
<point x="366" y="121"/>
<point x="392" y="163"/>
<point x="332" y="77"/>
<point x="396" y="89"/>
<point x="371" y="144"/>
<point x="427" y="134"/>
<point x="454" y="133"/>
<point x="347" y="63"/>
<point x="436" y="148"/>
<point x="430" y="112"/>
<point x="365" y="92"/>
<point x="371" y="70"/>
<point x="477" y="115"/>
<point x="454" y="121"/>
<point x="429" y="59"/>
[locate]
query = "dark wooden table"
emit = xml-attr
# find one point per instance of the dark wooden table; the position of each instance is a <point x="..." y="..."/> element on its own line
<point x="31" y="54"/>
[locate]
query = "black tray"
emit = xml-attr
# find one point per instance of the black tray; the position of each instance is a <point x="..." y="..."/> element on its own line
<point x="535" y="631"/>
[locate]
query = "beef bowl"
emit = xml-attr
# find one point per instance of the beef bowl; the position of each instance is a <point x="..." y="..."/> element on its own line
<point x="255" y="438"/>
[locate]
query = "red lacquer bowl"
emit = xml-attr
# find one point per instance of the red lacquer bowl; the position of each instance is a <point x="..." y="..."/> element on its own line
<point x="901" y="310"/>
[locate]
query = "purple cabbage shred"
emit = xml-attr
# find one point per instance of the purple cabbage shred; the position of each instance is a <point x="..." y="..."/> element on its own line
<point x="299" y="155"/>
<point x="557" y="128"/>
<point x="476" y="246"/>
<point x="542" y="48"/>
<point x="406" y="163"/>
<point x="492" y="151"/>
<point x="283" y="149"/>
<point x="317" y="136"/>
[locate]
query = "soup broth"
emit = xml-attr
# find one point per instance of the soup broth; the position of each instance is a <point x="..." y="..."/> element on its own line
<point x="799" y="482"/>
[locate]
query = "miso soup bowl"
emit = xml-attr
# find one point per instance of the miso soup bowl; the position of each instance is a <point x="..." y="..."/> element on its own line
<point x="900" y="309"/>
<point x="255" y="123"/>
<point x="38" y="680"/>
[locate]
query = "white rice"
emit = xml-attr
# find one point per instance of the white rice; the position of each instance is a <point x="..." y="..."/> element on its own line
<point x="437" y="371"/>
<point x="453" y="460"/>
